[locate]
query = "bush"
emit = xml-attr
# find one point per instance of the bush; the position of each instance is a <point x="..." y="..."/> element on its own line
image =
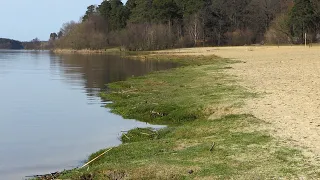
<point x="279" y="31"/>
<point x="239" y="37"/>
<point x="90" y="34"/>
<point x="147" y="37"/>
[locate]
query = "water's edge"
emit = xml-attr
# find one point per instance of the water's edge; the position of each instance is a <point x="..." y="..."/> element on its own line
<point x="57" y="96"/>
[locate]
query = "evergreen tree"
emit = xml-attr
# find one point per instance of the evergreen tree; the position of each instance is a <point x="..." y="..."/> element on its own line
<point x="302" y="18"/>
<point x="118" y="15"/>
<point x="142" y="12"/>
<point x="131" y="4"/>
<point x="115" y="14"/>
<point x="190" y="7"/>
<point x="104" y="9"/>
<point x="90" y="10"/>
<point x="164" y="11"/>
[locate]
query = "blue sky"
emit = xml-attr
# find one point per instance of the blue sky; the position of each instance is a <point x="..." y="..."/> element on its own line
<point x="25" y="20"/>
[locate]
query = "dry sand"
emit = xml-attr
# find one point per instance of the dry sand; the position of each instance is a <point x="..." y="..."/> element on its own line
<point x="289" y="78"/>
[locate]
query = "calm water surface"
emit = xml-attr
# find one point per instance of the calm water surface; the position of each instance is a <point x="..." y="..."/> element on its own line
<point x="50" y="115"/>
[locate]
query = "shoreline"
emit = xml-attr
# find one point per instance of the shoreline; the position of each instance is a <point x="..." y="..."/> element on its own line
<point x="203" y="124"/>
<point x="87" y="51"/>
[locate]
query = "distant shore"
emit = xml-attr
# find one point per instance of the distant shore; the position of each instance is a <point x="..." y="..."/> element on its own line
<point x="87" y="51"/>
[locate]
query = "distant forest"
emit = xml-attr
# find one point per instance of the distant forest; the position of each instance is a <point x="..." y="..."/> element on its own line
<point x="10" y="44"/>
<point x="163" y="24"/>
<point x="34" y="44"/>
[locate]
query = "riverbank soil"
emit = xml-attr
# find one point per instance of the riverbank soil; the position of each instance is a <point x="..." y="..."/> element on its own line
<point x="221" y="116"/>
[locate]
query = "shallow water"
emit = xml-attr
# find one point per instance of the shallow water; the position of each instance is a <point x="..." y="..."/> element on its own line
<point x="50" y="115"/>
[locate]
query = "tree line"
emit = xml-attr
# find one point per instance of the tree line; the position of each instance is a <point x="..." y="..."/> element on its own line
<point x="34" y="44"/>
<point x="162" y="24"/>
<point x="10" y="44"/>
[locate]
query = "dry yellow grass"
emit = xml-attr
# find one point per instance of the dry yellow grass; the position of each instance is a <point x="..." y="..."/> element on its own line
<point x="86" y="51"/>
<point x="289" y="77"/>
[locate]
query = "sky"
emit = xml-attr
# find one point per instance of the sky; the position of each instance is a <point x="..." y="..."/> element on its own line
<point x="25" y="20"/>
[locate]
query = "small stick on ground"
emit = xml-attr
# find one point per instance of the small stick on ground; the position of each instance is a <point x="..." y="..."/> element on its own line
<point x="95" y="158"/>
<point x="146" y="134"/>
<point x="126" y="136"/>
<point x="211" y="149"/>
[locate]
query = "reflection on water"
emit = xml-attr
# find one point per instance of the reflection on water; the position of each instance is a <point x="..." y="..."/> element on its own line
<point x="98" y="70"/>
<point x="50" y="115"/>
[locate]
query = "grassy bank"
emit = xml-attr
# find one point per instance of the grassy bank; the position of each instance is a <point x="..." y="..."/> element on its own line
<point x="206" y="137"/>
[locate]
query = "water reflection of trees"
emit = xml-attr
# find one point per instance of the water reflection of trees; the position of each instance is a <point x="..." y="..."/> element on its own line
<point x="97" y="70"/>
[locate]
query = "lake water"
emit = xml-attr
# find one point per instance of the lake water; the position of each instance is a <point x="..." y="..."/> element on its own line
<point x="51" y="117"/>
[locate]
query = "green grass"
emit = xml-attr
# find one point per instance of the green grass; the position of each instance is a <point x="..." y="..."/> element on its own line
<point x="195" y="101"/>
<point x="175" y="96"/>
